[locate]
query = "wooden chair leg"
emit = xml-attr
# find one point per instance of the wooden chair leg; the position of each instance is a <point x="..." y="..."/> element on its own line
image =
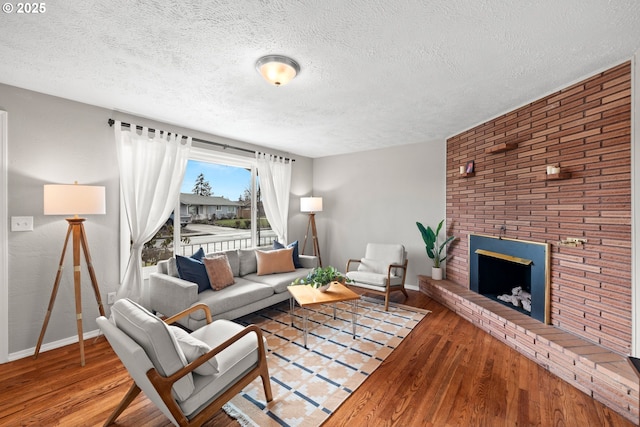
<point x="266" y="384"/>
<point x="126" y="401"/>
<point x="404" y="291"/>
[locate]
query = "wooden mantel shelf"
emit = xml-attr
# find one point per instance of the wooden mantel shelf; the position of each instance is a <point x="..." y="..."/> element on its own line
<point x="556" y="176"/>
<point x="502" y="147"/>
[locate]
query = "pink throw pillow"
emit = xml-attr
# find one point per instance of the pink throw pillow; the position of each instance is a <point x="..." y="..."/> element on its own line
<point x="219" y="271"/>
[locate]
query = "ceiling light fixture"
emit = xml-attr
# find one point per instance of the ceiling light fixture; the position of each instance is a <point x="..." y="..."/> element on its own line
<point x="277" y="69"/>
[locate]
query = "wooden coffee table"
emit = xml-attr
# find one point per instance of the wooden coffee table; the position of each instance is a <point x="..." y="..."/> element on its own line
<point x="308" y="297"/>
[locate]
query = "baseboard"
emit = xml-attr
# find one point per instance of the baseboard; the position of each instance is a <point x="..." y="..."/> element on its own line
<point x="412" y="287"/>
<point x="52" y="345"/>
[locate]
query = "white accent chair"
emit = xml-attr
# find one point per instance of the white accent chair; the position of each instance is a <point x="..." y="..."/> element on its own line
<point x="382" y="270"/>
<point x="188" y="376"/>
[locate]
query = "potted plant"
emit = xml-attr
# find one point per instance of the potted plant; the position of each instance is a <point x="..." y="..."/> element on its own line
<point x="434" y="249"/>
<point x="321" y="278"/>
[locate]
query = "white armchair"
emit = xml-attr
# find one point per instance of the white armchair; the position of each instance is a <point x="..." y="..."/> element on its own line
<point x="382" y="270"/>
<point x="187" y="376"/>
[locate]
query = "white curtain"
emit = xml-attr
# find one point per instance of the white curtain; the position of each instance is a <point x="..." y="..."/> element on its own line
<point x="275" y="184"/>
<point x="152" y="166"/>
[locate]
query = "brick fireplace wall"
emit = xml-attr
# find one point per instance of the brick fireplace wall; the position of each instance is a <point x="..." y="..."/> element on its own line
<point x="586" y="130"/>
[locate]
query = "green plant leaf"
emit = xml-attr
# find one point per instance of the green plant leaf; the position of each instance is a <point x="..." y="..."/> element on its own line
<point x="430" y="253"/>
<point x="321" y="276"/>
<point x="423" y="231"/>
<point x="434" y="251"/>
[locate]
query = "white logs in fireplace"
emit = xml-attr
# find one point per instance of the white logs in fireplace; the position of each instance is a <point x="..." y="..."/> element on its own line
<point x="517" y="298"/>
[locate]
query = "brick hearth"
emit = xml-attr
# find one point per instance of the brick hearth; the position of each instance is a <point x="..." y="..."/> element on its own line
<point x="601" y="373"/>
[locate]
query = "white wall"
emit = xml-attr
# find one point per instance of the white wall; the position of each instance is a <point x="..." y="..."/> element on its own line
<point x="377" y="196"/>
<point x="301" y="185"/>
<point x="53" y="140"/>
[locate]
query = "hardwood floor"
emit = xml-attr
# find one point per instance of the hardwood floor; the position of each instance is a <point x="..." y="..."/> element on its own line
<point x="446" y="372"/>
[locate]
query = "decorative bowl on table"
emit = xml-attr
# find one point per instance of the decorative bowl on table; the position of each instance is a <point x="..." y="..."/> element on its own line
<point x="322" y="287"/>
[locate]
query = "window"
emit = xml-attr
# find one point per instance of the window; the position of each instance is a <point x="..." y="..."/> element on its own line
<point x="218" y="209"/>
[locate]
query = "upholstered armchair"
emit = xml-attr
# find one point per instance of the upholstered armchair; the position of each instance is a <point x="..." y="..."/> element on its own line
<point x="382" y="270"/>
<point x="188" y="376"/>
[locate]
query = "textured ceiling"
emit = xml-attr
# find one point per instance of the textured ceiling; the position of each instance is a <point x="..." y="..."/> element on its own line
<point x="375" y="73"/>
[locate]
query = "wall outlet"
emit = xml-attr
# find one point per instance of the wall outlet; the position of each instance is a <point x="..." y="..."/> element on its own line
<point x="111" y="298"/>
<point x="21" y="223"/>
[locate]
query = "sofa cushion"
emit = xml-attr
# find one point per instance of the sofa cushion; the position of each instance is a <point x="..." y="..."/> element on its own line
<point x="234" y="261"/>
<point x="275" y="261"/>
<point x="373" y="278"/>
<point x="219" y="271"/>
<point x="279" y="282"/>
<point x="234" y="361"/>
<point x="373" y="266"/>
<point x="172" y="267"/>
<point x="296" y="255"/>
<point x="154" y="336"/>
<point x="193" y="270"/>
<point x="168" y="267"/>
<point x="247" y="262"/>
<point x="393" y="253"/>
<point x="194" y="348"/>
<point x="243" y="292"/>
<point x="232" y="256"/>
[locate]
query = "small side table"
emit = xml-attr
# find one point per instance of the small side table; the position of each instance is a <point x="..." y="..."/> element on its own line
<point x="307" y="296"/>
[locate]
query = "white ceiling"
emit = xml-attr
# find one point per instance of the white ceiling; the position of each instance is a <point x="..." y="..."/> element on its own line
<point x="374" y="73"/>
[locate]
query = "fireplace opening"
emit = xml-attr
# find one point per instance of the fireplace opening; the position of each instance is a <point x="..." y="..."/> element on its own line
<point x="512" y="272"/>
<point x="505" y="280"/>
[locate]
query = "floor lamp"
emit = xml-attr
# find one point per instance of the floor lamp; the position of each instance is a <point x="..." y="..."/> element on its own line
<point x="312" y="205"/>
<point x="73" y="200"/>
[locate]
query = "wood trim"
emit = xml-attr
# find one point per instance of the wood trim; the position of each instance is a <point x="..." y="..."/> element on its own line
<point x="505" y="257"/>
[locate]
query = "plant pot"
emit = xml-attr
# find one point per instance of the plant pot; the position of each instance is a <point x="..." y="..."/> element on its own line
<point x="436" y="273"/>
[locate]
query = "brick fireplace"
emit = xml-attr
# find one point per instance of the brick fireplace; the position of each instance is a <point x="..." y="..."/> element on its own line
<point x="499" y="265"/>
<point x="585" y="130"/>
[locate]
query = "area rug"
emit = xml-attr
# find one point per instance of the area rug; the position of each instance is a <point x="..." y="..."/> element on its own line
<point x="309" y="385"/>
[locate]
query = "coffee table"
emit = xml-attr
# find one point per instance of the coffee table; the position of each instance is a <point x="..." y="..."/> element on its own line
<point x="307" y="297"/>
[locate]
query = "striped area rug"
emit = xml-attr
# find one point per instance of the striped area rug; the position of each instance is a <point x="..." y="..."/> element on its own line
<point x="308" y="385"/>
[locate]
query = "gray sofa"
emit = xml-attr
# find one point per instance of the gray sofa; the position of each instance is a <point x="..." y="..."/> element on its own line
<point x="170" y="295"/>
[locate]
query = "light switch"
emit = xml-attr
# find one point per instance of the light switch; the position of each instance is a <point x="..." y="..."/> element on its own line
<point x="21" y="223"/>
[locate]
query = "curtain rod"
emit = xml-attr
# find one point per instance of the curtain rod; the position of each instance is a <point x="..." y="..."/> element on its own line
<point x="204" y="141"/>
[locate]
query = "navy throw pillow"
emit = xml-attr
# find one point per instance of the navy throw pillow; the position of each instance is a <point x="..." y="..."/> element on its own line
<point x="198" y="255"/>
<point x="294" y="245"/>
<point x="193" y="270"/>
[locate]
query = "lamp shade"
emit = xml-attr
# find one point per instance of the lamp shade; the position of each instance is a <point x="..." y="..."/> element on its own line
<point x="277" y="69"/>
<point x="74" y="199"/>
<point x="311" y="204"/>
